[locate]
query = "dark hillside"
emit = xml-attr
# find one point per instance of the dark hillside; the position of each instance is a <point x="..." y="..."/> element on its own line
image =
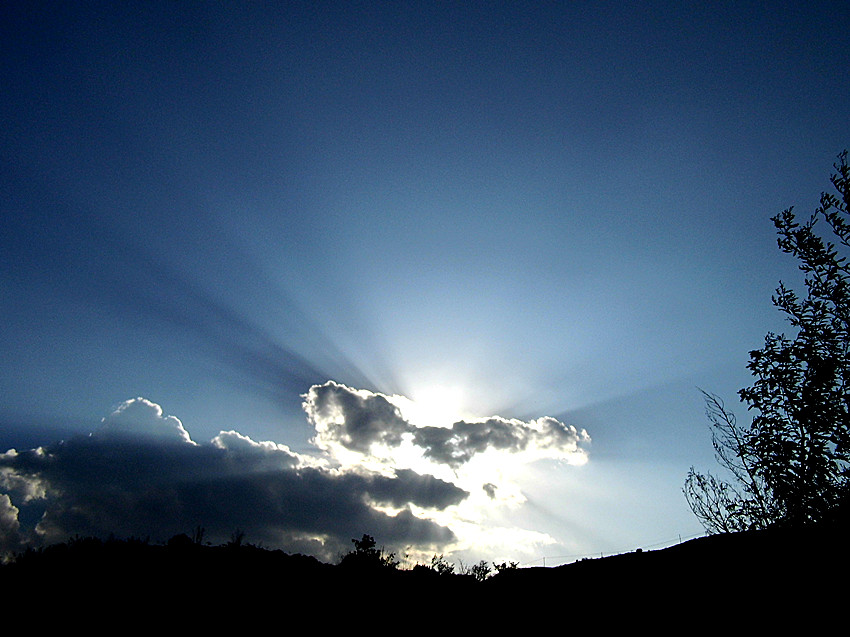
<point x="710" y="560"/>
<point x="782" y="581"/>
<point x="767" y="572"/>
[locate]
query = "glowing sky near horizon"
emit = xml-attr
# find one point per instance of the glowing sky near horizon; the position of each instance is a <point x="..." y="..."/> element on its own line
<point x="477" y="213"/>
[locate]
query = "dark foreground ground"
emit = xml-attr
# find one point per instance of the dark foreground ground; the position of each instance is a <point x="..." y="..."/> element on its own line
<point x="785" y="581"/>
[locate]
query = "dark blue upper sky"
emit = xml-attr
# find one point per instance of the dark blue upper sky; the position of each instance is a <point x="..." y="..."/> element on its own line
<point x="556" y="209"/>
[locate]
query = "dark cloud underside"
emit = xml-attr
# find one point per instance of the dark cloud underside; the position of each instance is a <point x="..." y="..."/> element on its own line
<point x="156" y="487"/>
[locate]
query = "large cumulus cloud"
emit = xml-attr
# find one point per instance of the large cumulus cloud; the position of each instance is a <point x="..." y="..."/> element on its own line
<point x="142" y="475"/>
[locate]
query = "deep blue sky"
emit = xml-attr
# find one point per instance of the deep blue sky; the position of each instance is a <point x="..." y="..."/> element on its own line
<point x="560" y="209"/>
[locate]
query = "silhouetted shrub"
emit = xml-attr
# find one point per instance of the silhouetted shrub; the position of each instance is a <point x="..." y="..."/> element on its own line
<point x="505" y="566"/>
<point x="367" y="556"/>
<point x="480" y="571"/>
<point x="440" y="566"/>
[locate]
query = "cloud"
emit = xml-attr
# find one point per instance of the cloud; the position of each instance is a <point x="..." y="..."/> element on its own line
<point x="250" y="456"/>
<point x="140" y="475"/>
<point x="544" y="437"/>
<point x="142" y="418"/>
<point x="10" y="539"/>
<point x="355" y="419"/>
<point x="26" y="485"/>
<point x="358" y="420"/>
<point x="414" y="487"/>
<point x="486" y="457"/>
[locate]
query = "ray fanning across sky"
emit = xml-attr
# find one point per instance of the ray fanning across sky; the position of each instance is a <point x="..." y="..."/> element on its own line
<point x="393" y="265"/>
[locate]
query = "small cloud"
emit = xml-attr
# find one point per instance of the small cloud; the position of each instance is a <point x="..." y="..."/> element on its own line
<point x="359" y="420"/>
<point x="141" y="418"/>
<point x="351" y="418"/>
<point x="541" y="438"/>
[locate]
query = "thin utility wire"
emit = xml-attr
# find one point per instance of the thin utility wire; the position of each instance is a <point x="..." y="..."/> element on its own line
<point x="564" y="558"/>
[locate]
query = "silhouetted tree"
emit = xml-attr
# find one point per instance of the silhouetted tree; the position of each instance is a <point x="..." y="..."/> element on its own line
<point x="480" y="571"/>
<point x="721" y="505"/>
<point x="236" y="539"/>
<point x="790" y="467"/>
<point x="441" y="566"/>
<point x="367" y="555"/>
<point x="198" y="535"/>
<point x="505" y="566"/>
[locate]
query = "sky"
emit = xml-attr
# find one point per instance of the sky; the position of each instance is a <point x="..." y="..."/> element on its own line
<point x="448" y="274"/>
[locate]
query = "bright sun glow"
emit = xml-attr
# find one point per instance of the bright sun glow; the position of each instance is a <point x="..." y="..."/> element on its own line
<point x="434" y="406"/>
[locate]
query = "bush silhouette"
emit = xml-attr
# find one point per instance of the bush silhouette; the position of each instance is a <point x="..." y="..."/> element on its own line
<point x="367" y="556"/>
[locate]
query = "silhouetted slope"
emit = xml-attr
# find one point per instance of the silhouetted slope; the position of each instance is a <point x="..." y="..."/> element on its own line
<point x="757" y="577"/>
<point x="778" y="580"/>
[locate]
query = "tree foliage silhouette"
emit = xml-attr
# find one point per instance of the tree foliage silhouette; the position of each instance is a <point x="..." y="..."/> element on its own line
<point x="480" y="571"/>
<point x="745" y="502"/>
<point x="366" y="555"/>
<point x="790" y="467"/>
<point x="441" y="566"/>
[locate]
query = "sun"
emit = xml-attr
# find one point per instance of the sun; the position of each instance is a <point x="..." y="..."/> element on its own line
<point x="434" y="406"/>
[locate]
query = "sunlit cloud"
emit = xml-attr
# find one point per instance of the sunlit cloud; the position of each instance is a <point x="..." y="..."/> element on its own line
<point x="27" y="486"/>
<point x="141" y="475"/>
<point x="456" y="445"/>
<point x="353" y="419"/>
<point x="140" y="418"/>
<point x="372" y="470"/>
<point x="9" y="527"/>
<point x="358" y="420"/>
<point x="486" y="457"/>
